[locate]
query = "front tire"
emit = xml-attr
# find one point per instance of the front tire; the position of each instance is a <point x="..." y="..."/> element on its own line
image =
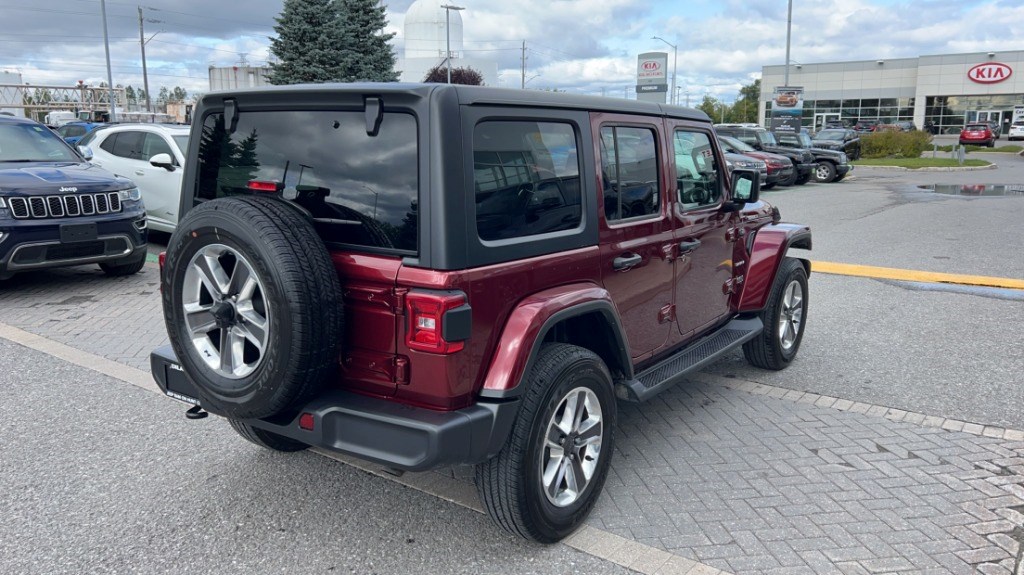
<point x="119" y="270"/>
<point x="784" y="319"/>
<point x="825" y="172"/>
<point x="545" y="481"/>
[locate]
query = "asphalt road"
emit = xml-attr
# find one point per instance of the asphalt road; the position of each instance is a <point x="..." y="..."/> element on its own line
<point x="952" y="353"/>
<point x="102" y="477"/>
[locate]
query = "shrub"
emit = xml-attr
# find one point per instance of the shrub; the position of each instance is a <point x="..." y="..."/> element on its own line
<point x="889" y="144"/>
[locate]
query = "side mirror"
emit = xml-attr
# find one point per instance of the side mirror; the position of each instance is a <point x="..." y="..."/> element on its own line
<point x="746" y="185"/>
<point x="162" y="161"/>
<point x="86" y="152"/>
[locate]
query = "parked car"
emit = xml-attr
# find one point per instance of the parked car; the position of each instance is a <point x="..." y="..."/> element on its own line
<point x="831" y="165"/>
<point x="150" y="154"/>
<point x="1016" y="131"/>
<point x="866" y="126"/>
<point x="57" y="210"/>
<point x="842" y="140"/>
<point x="762" y="140"/>
<point x="778" y="168"/>
<point x="996" y="127"/>
<point x="978" y="134"/>
<point x="72" y="132"/>
<point x="906" y="126"/>
<point x="837" y="124"/>
<point x="496" y="297"/>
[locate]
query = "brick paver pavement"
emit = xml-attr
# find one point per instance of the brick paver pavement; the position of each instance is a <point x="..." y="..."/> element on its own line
<point x="744" y="482"/>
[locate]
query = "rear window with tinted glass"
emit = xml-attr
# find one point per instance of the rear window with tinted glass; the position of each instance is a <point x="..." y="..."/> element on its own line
<point x="361" y="190"/>
<point x="526" y="177"/>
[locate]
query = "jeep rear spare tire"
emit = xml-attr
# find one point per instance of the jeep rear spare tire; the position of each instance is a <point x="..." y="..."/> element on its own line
<point x="252" y="304"/>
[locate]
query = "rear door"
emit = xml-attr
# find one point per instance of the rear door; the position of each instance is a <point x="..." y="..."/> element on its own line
<point x="704" y="232"/>
<point x="635" y="233"/>
<point x="160" y="187"/>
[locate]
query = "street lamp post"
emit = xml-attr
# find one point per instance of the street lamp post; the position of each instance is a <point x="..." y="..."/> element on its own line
<point x="789" y="29"/>
<point x="675" y="61"/>
<point x="448" y="35"/>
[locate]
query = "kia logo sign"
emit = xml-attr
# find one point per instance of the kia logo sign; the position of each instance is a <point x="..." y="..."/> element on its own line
<point x="650" y="65"/>
<point x="989" y="73"/>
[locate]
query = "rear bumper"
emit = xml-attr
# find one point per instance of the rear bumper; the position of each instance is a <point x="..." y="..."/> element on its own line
<point x="386" y="432"/>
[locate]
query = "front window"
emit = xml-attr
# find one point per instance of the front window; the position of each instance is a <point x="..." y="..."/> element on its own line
<point x="181" y="142"/>
<point x="696" y="170"/>
<point x="32" y="143"/>
<point x="831" y="135"/>
<point x="767" y="139"/>
<point x="361" y="190"/>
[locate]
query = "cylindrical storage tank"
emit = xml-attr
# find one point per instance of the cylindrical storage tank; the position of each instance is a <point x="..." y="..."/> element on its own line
<point x="425" y="30"/>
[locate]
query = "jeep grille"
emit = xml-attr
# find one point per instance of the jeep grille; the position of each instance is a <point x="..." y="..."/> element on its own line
<point x="38" y="207"/>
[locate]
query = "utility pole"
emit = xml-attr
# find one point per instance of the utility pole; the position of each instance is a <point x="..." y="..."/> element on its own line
<point x="110" y="76"/>
<point x="145" y="74"/>
<point x="522" y="85"/>
<point x="675" y="63"/>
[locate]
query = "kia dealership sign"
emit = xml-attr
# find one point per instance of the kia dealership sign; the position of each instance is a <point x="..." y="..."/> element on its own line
<point x="652" y="76"/>
<point x="989" y="73"/>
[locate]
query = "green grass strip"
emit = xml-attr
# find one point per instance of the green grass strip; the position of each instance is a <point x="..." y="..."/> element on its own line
<point x="914" y="163"/>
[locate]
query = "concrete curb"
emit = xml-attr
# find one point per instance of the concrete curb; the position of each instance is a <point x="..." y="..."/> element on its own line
<point x="957" y="169"/>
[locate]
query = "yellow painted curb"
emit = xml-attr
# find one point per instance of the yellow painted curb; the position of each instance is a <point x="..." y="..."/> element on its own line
<point x="913" y="275"/>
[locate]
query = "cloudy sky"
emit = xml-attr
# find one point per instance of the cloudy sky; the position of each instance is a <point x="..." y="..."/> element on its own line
<point x="582" y="46"/>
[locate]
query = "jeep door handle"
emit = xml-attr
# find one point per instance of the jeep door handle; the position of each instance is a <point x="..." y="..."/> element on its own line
<point x="687" y="247"/>
<point x="140" y="173"/>
<point x="626" y="261"/>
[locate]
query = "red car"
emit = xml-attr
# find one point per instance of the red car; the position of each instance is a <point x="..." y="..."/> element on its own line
<point x="979" y="134"/>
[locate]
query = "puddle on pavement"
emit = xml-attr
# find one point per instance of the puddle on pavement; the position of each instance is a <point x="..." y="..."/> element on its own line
<point x="1015" y="190"/>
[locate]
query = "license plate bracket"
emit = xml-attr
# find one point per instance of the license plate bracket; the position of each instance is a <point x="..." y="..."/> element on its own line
<point x="72" y="233"/>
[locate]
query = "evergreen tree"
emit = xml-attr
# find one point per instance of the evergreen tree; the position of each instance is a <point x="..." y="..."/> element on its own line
<point x="164" y="94"/>
<point x="367" y="55"/>
<point x="331" y="41"/>
<point x="129" y="94"/>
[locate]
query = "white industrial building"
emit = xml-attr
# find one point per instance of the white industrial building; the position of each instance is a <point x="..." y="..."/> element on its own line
<point x="235" y="77"/>
<point x="426" y="39"/>
<point x="945" y="90"/>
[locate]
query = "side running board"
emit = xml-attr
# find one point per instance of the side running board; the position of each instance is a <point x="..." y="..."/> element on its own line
<point x="693" y="357"/>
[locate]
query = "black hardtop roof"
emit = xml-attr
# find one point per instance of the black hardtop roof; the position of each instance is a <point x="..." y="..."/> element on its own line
<point x="475" y="95"/>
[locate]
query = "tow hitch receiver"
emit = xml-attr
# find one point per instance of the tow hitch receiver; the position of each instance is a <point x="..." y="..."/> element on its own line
<point x="195" y="412"/>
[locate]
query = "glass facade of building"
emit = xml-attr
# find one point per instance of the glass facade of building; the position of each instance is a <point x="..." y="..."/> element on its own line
<point x="950" y="113"/>
<point x="886" y="110"/>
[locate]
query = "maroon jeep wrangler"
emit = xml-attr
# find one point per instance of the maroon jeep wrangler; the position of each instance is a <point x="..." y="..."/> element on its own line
<point x="428" y="275"/>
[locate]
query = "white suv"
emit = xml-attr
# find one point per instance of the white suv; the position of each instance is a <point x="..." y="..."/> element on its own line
<point x="151" y="155"/>
<point x="1017" y="131"/>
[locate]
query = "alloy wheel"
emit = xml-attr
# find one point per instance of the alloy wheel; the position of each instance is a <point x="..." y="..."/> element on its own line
<point x="791" y="315"/>
<point x="226" y="311"/>
<point x="572" y="447"/>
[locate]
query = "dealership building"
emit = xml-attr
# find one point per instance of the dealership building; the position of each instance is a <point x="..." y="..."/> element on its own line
<point x="945" y="91"/>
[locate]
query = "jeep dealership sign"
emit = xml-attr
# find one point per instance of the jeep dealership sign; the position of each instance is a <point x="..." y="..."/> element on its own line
<point x="989" y="73"/>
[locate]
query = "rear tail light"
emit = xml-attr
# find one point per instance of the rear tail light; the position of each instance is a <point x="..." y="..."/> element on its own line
<point x="437" y="322"/>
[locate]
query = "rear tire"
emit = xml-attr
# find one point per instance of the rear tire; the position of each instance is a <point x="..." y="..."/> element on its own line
<point x="267" y="439"/>
<point x="564" y="430"/>
<point x="784" y="319"/>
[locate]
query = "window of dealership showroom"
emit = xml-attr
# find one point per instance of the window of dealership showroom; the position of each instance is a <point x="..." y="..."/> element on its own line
<point x="943" y="92"/>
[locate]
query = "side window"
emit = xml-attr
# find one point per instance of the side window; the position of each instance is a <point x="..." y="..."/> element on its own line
<point x="526" y="177"/>
<point x="629" y="172"/>
<point x="155" y="144"/>
<point x="108" y="143"/>
<point x="128" y="145"/>
<point x="697" y="178"/>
